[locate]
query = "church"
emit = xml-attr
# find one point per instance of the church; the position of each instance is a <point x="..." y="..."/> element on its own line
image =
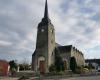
<point x="46" y="47"/>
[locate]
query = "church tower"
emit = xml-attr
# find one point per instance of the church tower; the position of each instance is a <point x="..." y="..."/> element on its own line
<point x="43" y="56"/>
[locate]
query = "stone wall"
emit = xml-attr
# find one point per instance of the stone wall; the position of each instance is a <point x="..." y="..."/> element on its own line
<point x="78" y="56"/>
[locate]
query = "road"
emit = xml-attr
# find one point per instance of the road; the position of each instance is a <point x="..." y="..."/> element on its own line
<point x="84" y="78"/>
<point x="70" y="78"/>
<point x="79" y="78"/>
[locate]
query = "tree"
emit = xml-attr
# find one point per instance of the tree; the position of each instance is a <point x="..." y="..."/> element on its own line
<point x="24" y="65"/>
<point x="58" y="61"/>
<point x="13" y="65"/>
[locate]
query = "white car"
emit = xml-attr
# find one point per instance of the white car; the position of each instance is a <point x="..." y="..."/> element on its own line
<point x="98" y="68"/>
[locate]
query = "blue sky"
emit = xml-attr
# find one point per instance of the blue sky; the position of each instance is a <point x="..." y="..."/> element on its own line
<point x="76" y="22"/>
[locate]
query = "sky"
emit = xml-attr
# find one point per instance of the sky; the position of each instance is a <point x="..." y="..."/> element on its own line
<point x="76" y="22"/>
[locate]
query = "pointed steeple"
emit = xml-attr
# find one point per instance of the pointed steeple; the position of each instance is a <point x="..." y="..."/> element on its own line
<point x="45" y="19"/>
<point x="46" y="10"/>
<point x="46" y="14"/>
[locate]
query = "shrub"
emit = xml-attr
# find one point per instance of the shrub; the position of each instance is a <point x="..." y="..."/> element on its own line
<point x="78" y="70"/>
<point x="52" y="68"/>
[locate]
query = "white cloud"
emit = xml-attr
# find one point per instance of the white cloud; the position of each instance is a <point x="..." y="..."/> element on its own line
<point x="5" y="43"/>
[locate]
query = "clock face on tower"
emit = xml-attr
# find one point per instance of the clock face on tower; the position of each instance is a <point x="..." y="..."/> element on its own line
<point x="42" y="30"/>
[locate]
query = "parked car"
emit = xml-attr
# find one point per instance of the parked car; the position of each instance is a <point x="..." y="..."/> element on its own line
<point x="98" y="68"/>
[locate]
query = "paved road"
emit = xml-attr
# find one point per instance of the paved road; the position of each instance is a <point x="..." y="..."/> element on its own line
<point x="73" y="78"/>
<point x="84" y="78"/>
<point x="79" y="78"/>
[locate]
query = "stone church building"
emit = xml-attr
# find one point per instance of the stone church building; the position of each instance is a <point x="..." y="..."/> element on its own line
<point x="46" y="47"/>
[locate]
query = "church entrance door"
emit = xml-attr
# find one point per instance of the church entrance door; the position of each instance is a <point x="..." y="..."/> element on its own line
<point x="42" y="67"/>
<point x="65" y="65"/>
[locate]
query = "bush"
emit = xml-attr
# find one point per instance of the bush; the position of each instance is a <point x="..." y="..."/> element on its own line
<point x="60" y="73"/>
<point x="85" y="70"/>
<point x="52" y="68"/>
<point x="79" y="70"/>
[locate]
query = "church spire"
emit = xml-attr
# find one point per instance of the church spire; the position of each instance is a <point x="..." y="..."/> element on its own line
<point x="46" y="10"/>
<point x="45" y="19"/>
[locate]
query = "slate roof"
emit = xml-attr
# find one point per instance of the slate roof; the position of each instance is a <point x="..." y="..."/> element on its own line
<point x="65" y="48"/>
